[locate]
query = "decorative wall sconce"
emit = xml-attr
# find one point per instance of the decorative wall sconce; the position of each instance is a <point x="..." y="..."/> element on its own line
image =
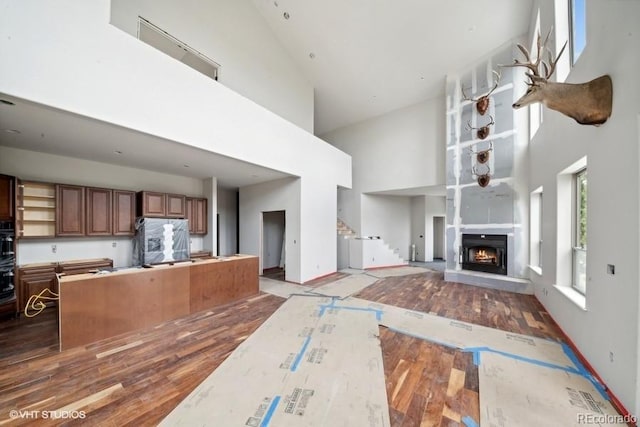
<point x="482" y="103"/>
<point x="482" y="132"/>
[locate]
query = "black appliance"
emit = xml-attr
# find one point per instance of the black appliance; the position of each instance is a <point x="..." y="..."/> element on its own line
<point x="7" y="262"/>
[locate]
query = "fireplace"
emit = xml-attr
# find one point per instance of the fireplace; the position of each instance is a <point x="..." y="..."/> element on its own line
<point x="485" y="252"/>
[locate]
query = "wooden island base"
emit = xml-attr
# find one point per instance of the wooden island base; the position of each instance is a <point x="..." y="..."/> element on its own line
<point x="97" y="306"/>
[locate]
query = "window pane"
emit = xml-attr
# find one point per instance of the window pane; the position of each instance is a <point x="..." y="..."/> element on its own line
<point x="578" y="29"/>
<point x="580" y="270"/>
<point x="581" y="240"/>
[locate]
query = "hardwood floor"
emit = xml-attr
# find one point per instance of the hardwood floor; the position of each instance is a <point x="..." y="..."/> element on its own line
<point x="138" y="378"/>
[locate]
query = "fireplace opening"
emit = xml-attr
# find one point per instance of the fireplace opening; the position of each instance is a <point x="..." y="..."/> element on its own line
<point x="485" y="252"/>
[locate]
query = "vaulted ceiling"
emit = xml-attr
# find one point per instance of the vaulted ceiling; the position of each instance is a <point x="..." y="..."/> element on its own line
<point x="365" y="58"/>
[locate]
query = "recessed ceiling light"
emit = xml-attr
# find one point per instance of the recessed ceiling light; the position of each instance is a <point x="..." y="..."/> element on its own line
<point x="12" y="130"/>
<point x="118" y="152"/>
<point x="286" y="15"/>
<point x="4" y="101"/>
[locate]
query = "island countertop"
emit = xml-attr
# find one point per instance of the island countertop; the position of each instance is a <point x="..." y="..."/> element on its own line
<point x="94" y="306"/>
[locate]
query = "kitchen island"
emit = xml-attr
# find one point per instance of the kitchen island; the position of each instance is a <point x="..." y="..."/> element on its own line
<point x="105" y="304"/>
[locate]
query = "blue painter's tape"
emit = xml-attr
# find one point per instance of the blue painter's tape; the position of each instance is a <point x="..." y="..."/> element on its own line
<point x="583" y="371"/>
<point x="298" y="358"/>
<point x="324" y="307"/>
<point x="525" y="359"/>
<point x="579" y="369"/>
<point x="469" y="422"/>
<point x="272" y="408"/>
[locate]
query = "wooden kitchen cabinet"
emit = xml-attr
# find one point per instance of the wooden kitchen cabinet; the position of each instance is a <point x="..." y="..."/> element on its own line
<point x="196" y="213"/>
<point x="83" y="266"/>
<point x="33" y="279"/>
<point x="70" y="211"/>
<point x="7" y="197"/>
<point x="176" y="206"/>
<point x="99" y="212"/>
<point x="124" y="212"/>
<point x="151" y="204"/>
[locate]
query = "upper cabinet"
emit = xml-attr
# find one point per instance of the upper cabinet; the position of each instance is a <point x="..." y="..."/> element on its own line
<point x="161" y="205"/>
<point x="36" y="209"/>
<point x="151" y="204"/>
<point x="196" y="213"/>
<point x="70" y="210"/>
<point x="99" y="211"/>
<point x="7" y="196"/>
<point x="124" y="212"/>
<point x="176" y="206"/>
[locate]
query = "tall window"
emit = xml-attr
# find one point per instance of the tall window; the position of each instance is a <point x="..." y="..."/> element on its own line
<point x="535" y="230"/>
<point x="578" y="26"/>
<point x="580" y="232"/>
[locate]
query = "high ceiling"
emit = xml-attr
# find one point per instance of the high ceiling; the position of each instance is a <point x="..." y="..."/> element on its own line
<point x="375" y="56"/>
<point x="364" y="58"/>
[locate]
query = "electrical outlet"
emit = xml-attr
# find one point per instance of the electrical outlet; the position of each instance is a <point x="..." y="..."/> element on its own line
<point x="54" y="248"/>
<point x="611" y="356"/>
<point x="114" y="244"/>
<point x="611" y="269"/>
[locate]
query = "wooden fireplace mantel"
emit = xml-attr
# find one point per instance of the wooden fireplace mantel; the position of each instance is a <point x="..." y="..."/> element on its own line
<point x="102" y="305"/>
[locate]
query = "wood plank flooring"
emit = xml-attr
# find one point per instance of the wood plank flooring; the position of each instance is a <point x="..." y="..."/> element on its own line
<point x="138" y="378"/>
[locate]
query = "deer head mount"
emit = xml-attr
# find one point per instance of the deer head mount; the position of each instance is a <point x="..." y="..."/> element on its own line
<point x="482" y="178"/>
<point x="482" y="156"/>
<point x="482" y="132"/>
<point x="482" y="102"/>
<point x="588" y="103"/>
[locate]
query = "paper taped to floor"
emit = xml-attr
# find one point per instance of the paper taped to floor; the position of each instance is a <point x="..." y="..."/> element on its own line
<point x="464" y="335"/>
<point x="281" y="289"/>
<point x="346" y="286"/>
<point x="307" y="365"/>
<point x="516" y="393"/>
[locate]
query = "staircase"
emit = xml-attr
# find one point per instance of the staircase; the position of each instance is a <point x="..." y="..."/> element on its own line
<point x="345" y="231"/>
<point x="367" y="252"/>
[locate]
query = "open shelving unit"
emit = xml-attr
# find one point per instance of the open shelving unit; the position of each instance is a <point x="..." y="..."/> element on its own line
<point x="37" y="209"/>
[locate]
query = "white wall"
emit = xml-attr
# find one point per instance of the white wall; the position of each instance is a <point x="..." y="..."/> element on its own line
<point x="232" y="33"/>
<point x="30" y="165"/>
<point x="402" y="149"/>
<point x="418" y="227"/>
<point x="279" y="195"/>
<point x="390" y="218"/>
<point x="94" y="69"/>
<point x="607" y="332"/>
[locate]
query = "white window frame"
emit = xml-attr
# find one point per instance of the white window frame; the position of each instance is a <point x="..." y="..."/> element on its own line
<point x="573" y="55"/>
<point x="579" y="252"/>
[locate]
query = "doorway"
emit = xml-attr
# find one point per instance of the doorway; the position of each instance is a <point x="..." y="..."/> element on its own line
<point x="273" y="244"/>
<point x="438" y="237"/>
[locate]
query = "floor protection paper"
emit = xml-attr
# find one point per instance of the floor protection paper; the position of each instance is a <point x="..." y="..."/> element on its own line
<point x="516" y="393"/>
<point x="309" y="364"/>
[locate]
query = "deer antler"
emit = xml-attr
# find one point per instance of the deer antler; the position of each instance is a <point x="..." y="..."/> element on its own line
<point x="497" y="75"/>
<point x="534" y="67"/>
